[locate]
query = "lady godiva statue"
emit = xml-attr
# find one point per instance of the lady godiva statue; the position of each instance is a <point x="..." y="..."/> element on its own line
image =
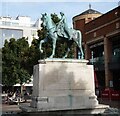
<point x="61" y="31"/>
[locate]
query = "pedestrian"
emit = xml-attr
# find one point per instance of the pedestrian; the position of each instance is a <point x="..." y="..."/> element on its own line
<point x="25" y="96"/>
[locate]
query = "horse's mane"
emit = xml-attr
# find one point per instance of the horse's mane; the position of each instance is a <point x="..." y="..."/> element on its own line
<point x="50" y="18"/>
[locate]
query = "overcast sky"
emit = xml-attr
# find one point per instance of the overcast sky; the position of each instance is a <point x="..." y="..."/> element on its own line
<point x="34" y="9"/>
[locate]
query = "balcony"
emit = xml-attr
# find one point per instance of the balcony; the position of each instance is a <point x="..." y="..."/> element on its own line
<point x="98" y="63"/>
<point x="114" y="63"/>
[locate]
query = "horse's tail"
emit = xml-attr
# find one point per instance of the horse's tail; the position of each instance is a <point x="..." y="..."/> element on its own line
<point x="79" y="36"/>
<point x="79" y="42"/>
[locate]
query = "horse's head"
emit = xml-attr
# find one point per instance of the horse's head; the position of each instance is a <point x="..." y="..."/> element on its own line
<point x="47" y="21"/>
<point x="44" y="19"/>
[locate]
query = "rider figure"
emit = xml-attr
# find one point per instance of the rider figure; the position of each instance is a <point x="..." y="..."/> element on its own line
<point x="63" y="25"/>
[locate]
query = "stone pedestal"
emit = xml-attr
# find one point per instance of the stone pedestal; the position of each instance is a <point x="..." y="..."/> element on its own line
<point x="63" y="84"/>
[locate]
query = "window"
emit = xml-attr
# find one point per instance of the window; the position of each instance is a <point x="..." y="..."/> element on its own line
<point x="33" y="32"/>
<point x="10" y="33"/>
<point x="6" y="23"/>
<point x="15" y="24"/>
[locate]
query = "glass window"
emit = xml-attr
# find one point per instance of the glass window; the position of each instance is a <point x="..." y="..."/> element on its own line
<point x="33" y="32"/>
<point x="6" y="23"/>
<point x="10" y="33"/>
<point x="15" y="24"/>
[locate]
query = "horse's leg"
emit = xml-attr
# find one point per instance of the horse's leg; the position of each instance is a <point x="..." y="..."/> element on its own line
<point x="54" y="46"/>
<point x="68" y="49"/>
<point x="82" y="54"/>
<point x="80" y="47"/>
<point x="41" y="42"/>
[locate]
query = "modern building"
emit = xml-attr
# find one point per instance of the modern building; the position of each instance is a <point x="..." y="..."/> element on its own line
<point x="101" y="42"/>
<point x="22" y="26"/>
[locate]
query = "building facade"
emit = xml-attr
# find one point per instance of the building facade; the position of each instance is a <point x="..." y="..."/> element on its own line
<point x="80" y="20"/>
<point x="101" y="42"/>
<point x="22" y="26"/>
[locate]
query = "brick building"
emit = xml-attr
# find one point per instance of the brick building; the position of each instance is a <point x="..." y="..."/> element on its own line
<point x="80" y="20"/>
<point x="101" y="42"/>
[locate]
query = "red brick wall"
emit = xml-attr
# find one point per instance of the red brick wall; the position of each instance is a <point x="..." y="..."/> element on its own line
<point x="108" y="17"/>
<point x="80" y="25"/>
<point x="103" y="25"/>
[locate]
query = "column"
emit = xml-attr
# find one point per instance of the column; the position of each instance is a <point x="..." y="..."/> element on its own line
<point x="107" y="56"/>
<point x="87" y="52"/>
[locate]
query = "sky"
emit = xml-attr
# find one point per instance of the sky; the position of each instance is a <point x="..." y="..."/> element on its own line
<point x="70" y="9"/>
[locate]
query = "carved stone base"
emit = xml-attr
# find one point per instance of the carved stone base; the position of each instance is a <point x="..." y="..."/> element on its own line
<point x="63" y="85"/>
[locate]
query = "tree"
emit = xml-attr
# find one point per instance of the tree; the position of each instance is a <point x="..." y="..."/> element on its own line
<point x="14" y="62"/>
<point x="33" y="56"/>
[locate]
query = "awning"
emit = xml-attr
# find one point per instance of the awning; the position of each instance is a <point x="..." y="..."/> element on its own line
<point x="27" y="85"/>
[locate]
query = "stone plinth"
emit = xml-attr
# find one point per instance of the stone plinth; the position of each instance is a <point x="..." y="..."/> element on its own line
<point x="63" y="84"/>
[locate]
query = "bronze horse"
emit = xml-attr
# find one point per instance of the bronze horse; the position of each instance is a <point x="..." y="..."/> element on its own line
<point x="53" y="34"/>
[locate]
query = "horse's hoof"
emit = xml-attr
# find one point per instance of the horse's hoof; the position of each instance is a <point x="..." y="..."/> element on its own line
<point x="41" y="51"/>
<point x="51" y="57"/>
<point x="63" y="57"/>
<point x="82" y="57"/>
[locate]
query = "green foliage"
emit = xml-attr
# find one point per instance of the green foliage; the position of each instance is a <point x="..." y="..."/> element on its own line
<point x="55" y="18"/>
<point x="14" y="62"/>
<point x="33" y="56"/>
